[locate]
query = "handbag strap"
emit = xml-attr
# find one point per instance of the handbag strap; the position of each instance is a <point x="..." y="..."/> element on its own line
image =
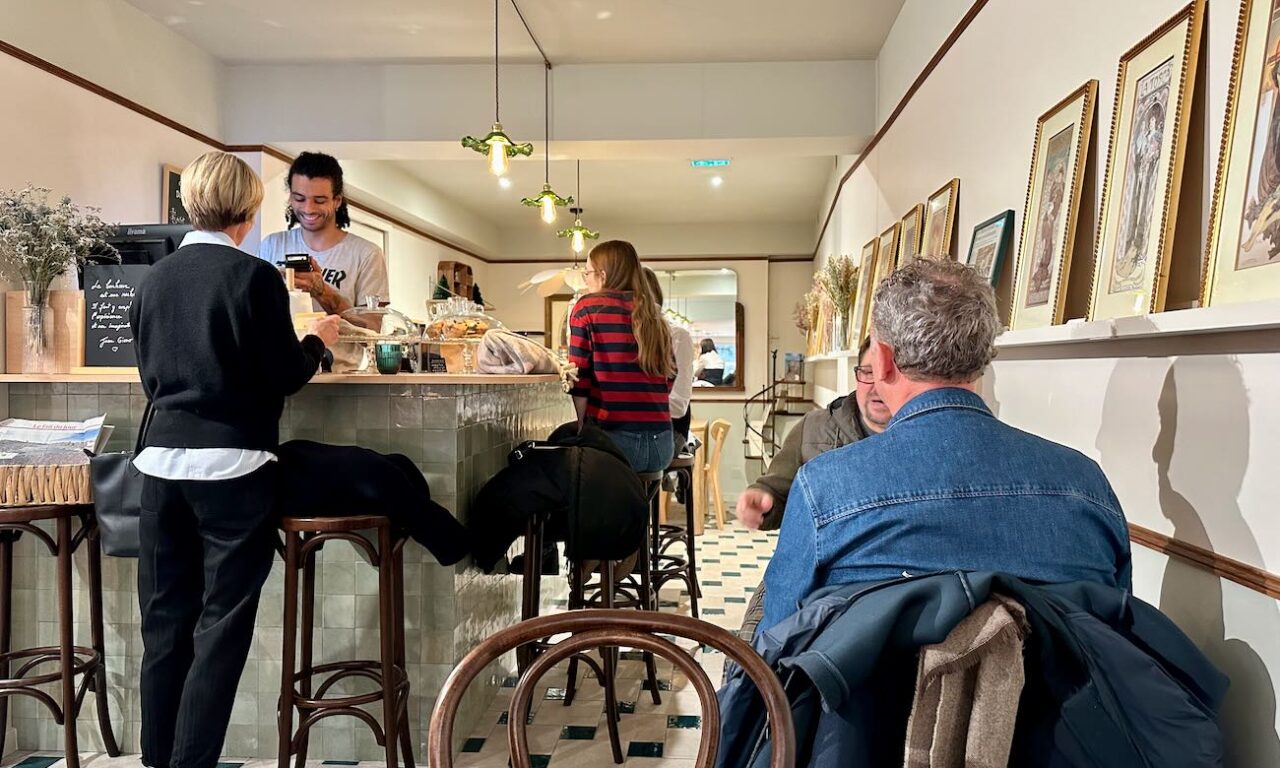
<point x="143" y="427"/>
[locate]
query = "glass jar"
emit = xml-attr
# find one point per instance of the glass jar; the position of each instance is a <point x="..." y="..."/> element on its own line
<point x="384" y="333"/>
<point x="455" y="328"/>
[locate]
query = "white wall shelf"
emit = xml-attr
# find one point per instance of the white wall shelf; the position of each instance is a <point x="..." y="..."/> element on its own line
<point x="1229" y="318"/>
<point x="830" y="356"/>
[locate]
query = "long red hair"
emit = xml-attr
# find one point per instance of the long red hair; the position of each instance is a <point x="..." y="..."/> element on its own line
<point x="622" y="272"/>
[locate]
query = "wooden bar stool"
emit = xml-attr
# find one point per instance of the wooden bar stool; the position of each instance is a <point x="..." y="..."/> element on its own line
<point x="664" y="565"/>
<point x="303" y="539"/>
<point x="69" y="659"/>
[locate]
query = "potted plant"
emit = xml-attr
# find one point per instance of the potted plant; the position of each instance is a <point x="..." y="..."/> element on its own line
<point x="840" y="279"/>
<point x="39" y="242"/>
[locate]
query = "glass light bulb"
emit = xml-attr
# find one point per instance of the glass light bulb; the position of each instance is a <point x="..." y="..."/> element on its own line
<point x="548" y="209"/>
<point x="578" y="242"/>
<point x="498" y="162"/>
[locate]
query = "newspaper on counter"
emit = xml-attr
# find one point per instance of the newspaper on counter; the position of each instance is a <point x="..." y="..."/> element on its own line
<point x="90" y="435"/>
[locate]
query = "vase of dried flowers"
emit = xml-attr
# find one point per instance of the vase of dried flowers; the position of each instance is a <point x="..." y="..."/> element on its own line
<point x="39" y="242"/>
<point x="839" y="278"/>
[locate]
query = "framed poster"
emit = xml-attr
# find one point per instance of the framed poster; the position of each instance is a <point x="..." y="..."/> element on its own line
<point x="1154" y="92"/>
<point x="909" y="237"/>
<point x="939" y="216"/>
<point x="885" y="265"/>
<point x="556" y="323"/>
<point x="1243" y="251"/>
<point x="859" y="328"/>
<point x="172" y="211"/>
<point x="1053" y="201"/>
<point x="990" y="246"/>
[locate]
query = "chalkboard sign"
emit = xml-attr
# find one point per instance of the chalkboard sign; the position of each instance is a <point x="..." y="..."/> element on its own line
<point x="108" y="294"/>
<point x="171" y="196"/>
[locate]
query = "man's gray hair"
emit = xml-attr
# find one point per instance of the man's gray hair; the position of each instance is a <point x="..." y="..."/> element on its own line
<point x="940" y="319"/>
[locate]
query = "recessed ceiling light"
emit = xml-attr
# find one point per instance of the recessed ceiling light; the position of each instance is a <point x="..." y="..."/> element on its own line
<point x="604" y="15"/>
<point x="716" y="181"/>
<point x="273" y="23"/>
<point x="504" y="182"/>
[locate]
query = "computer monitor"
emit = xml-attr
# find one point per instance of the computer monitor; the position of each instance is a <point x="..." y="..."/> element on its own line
<point x="142" y="243"/>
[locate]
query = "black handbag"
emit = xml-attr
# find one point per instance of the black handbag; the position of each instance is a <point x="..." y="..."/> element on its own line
<point x="117" y="495"/>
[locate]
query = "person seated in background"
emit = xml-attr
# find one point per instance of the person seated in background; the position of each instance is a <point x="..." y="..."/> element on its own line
<point x="846" y="420"/>
<point x="682" y="389"/>
<point x="710" y="366"/>
<point x="946" y="486"/>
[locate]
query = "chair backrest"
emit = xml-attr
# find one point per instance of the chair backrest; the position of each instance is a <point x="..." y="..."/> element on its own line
<point x="600" y="628"/>
<point x="718" y="430"/>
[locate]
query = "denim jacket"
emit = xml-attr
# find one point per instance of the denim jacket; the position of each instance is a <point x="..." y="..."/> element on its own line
<point x="946" y="487"/>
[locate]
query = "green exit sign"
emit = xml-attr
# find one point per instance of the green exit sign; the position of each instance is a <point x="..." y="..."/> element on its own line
<point x="709" y="163"/>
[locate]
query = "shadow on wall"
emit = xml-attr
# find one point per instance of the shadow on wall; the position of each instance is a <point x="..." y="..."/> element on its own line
<point x="1213" y="415"/>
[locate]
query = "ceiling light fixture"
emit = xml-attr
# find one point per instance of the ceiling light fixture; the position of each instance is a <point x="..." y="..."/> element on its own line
<point x="547" y="200"/>
<point x="604" y="15"/>
<point x="497" y="145"/>
<point x="716" y="181"/>
<point x="504" y="182"/>
<point x="578" y="234"/>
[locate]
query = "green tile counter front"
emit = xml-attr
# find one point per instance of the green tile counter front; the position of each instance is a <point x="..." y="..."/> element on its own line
<point x="459" y="435"/>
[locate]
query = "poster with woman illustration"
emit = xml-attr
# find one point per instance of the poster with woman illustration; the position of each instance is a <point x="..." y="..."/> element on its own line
<point x="1260" y="228"/>
<point x="1141" y="177"/>
<point x="1048" y="219"/>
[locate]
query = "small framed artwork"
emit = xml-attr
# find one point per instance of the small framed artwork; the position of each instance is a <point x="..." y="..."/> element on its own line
<point x="990" y="246"/>
<point x="859" y="328"/>
<point x="886" y="263"/>
<point x="1243" y="252"/>
<point x="909" y="239"/>
<point x="939" y="216"/>
<point x="556" y="323"/>
<point x="1154" y="92"/>
<point x="1053" y="202"/>
<point x="172" y="211"/>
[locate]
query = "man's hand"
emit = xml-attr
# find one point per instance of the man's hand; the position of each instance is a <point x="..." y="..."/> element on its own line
<point x="312" y="282"/>
<point x="752" y="505"/>
<point x="326" y="328"/>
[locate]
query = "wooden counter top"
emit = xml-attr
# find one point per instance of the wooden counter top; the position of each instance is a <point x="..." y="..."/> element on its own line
<point x="117" y="377"/>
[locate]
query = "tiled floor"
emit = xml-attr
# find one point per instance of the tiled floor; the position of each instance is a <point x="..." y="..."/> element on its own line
<point x="731" y="564"/>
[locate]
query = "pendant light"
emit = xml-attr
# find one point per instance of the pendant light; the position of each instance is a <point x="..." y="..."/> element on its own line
<point x="497" y="145"/>
<point x="547" y="200"/>
<point x="578" y="234"/>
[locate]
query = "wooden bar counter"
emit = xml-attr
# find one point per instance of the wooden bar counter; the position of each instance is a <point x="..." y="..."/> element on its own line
<point x="458" y="429"/>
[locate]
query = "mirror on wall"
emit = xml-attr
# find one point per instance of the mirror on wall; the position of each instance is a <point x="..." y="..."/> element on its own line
<point x="705" y="301"/>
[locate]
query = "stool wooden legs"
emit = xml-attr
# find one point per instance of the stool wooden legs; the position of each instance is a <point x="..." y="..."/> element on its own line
<point x="99" y="683"/>
<point x="388" y="671"/>
<point x="66" y="657"/>
<point x="6" y="621"/>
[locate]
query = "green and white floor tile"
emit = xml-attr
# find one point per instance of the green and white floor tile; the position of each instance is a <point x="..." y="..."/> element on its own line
<point x="731" y="564"/>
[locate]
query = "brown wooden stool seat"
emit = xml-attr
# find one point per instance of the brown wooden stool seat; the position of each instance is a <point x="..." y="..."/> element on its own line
<point x="304" y="538"/>
<point x="67" y="659"/>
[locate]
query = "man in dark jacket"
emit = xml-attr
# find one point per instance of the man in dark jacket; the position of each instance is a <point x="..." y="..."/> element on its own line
<point x="846" y="420"/>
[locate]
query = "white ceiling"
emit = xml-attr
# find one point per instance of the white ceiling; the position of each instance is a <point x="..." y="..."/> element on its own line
<point x="755" y="189"/>
<point x="570" y="31"/>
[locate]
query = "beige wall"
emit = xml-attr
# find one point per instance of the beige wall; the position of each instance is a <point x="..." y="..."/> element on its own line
<point x="1184" y="426"/>
<point x="120" y="48"/>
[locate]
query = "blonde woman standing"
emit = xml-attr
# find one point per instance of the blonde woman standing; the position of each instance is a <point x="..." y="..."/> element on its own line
<point x="217" y="355"/>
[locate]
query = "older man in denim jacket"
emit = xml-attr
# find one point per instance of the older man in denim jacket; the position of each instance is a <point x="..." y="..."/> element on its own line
<point x="946" y="486"/>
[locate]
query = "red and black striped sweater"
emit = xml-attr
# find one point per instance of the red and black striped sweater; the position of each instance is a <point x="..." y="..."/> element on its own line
<point x="603" y="346"/>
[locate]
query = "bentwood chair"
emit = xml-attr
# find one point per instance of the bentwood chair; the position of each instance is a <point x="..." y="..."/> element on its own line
<point x="594" y="628"/>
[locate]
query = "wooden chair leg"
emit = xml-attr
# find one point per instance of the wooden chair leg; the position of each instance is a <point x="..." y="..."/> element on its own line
<point x="609" y="659"/>
<point x="718" y="498"/>
<point x="289" y="649"/>
<point x="66" y="641"/>
<point x="397" y="575"/>
<point x="307" y="640"/>
<point x="6" y="620"/>
<point x="99" y="683"/>
<point x="386" y="633"/>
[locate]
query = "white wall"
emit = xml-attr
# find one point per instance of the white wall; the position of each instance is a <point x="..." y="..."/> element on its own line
<point x="657" y="240"/>
<point x="1183" y="426"/>
<point x="113" y="44"/>
<point x="917" y="33"/>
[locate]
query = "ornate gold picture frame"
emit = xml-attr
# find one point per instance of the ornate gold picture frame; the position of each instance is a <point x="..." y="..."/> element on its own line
<point x="1154" y="92"/>
<point x="1058" y="160"/>
<point x="909" y="239"/>
<point x="939" y="219"/>
<point x="858" y="327"/>
<point x="1243" y="251"/>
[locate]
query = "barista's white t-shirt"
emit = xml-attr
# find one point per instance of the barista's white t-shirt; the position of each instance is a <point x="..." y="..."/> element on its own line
<point x="355" y="267"/>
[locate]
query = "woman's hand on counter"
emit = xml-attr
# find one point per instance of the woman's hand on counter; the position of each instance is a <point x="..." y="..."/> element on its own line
<point x="326" y="328"/>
